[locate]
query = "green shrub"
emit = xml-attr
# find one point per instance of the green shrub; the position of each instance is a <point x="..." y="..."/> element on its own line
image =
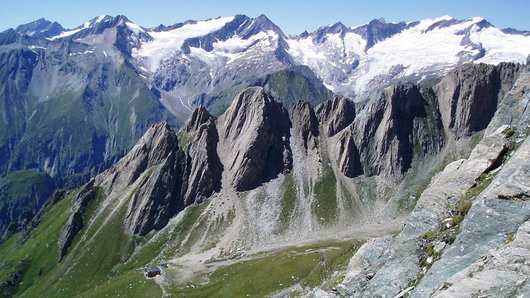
<point x="427" y="235"/>
<point x="509" y="132"/>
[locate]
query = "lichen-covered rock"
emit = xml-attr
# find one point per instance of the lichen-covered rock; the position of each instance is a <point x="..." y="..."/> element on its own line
<point x="496" y="213"/>
<point x="502" y="272"/>
<point x="402" y="265"/>
<point x="362" y="266"/>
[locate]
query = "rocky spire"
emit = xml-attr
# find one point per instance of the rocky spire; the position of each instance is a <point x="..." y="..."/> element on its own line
<point x="254" y="133"/>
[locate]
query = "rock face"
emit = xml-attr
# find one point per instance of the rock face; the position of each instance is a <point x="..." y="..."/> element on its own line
<point x="305" y="124"/>
<point x="164" y="177"/>
<point x="152" y="149"/>
<point x="445" y="251"/>
<point x="469" y="95"/>
<point x="350" y="160"/>
<point x="336" y="114"/>
<point x="503" y="272"/>
<point x="394" y="126"/>
<point x="199" y="117"/>
<point x="487" y="254"/>
<point x="254" y="133"/>
<point x="159" y="197"/>
<point x="111" y="106"/>
<point x="434" y="205"/>
<point x="362" y="264"/>
<point x="496" y="213"/>
<point x="205" y="167"/>
<point x="157" y="168"/>
<point x="75" y="222"/>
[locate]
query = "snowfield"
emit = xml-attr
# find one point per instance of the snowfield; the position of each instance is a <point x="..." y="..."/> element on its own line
<point x="418" y="50"/>
<point x="350" y="61"/>
<point x="167" y="43"/>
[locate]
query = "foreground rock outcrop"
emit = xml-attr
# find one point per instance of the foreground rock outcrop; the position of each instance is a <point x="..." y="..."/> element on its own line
<point x="489" y="253"/>
<point x="468" y="233"/>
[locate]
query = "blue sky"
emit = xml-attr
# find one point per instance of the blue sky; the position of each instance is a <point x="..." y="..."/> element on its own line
<point x="292" y="16"/>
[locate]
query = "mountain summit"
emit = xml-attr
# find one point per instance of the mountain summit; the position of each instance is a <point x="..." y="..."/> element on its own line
<point x="387" y="159"/>
<point x="350" y="60"/>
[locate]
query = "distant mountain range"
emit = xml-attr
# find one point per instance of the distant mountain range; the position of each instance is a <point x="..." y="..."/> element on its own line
<point x="115" y="78"/>
<point x="387" y="159"/>
<point x="349" y="60"/>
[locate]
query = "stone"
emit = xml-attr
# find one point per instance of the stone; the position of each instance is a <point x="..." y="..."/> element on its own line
<point x="75" y="221"/>
<point x="395" y="125"/>
<point x="305" y="124"/>
<point x="439" y="247"/>
<point x="254" y="135"/>
<point x="336" y="114"/>
<point x="468" y="96"/>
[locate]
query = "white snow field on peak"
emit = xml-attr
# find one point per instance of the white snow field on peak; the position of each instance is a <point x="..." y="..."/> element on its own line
<point x="166" y="43"/>
<point x="350" y="61"/>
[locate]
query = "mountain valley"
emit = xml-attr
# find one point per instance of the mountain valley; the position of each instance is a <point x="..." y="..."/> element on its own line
<point x="359" y="161"/>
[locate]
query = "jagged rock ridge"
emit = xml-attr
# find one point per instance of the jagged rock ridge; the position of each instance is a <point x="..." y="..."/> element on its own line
<point x="251" y="142"/>
<point x="255" y="132"/>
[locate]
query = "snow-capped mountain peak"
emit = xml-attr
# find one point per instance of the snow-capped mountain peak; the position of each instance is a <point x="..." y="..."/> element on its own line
<point x="367" y="56"/>
<point x="195" y="57"/>
<point x="167" y="42"/>
<point x="94" y="26"/>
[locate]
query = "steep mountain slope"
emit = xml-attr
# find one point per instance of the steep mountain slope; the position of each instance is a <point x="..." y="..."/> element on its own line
<point x="350" y="61"/>
<point x="194" y="60"/>
<point x="22" y="193"/>
<point x="86" y="76"/>
<point x="46" y="90"/>
<point x="197" y="58"/>
<point x="258" y="180"/>
<point x="227" y="193"/>
<point x="287" y="86"/>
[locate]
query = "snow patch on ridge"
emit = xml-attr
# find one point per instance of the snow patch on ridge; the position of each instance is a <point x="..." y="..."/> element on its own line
<point x="500" y="46"/>
<point x="100" y="18"/>
<point x="415" y="50"/>
<point x="134" y="27"/>
<point x="70" y="32"/>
